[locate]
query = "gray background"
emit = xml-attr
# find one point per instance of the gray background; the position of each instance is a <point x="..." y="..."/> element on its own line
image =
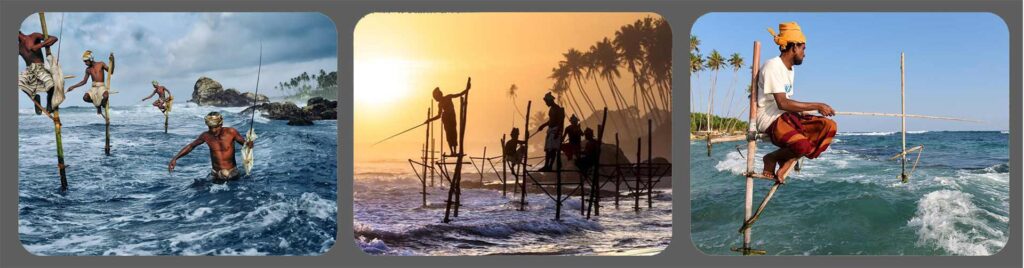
<point x="681" y="15"/>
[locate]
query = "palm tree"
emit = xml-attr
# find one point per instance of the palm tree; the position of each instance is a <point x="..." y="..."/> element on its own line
<point x="714" y="63"/>
<point x="561" y="86"/>
<point x="659" y="57"/>
<point x="627" y="43"/>
<point x="574" y="64"/>
<point x="736" y="62"/>
<point x="696" y="65"/>
<point x="694" y="44"/>
<point x="607" y="60"/>
<point x="513" y="93"/>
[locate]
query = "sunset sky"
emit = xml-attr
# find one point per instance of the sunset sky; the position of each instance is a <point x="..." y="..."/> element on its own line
<point x="400" y="58"/>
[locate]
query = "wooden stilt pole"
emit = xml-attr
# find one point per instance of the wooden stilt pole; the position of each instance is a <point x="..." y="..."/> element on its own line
<point x="431" y="136"/>
<point x="650" y="164"/>
<point x="558" y="188"/>
<point x="483" y="166"/>
<point x="426" y="147"/>
<point x="903" y="121"/>
<point x="55" y="115"/>
<point x="526" y="157"/>
<point x="636" y="196"/>
<point x="618" y="177"/>
<point x="453" y="187"/>
<point x="751" y="148"/>
<point x="504" y="165"/>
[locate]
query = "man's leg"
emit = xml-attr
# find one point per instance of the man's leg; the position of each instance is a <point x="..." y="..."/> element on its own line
<point x="770" y="161"/>
<point x="38" y="111"/>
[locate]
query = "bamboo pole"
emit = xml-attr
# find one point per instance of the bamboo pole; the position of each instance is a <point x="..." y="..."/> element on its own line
<point x="55" y="116"/>
<point x="526" y="157"/>
<point x="618" y="176"/>
<point x="504" y="167"/>
<point x="751" y="146"/>
<point x="106" y="108"/>
<point x="433" y="142"/>
<point x="910" y="116"/>
<point x="650" y="164"/>
<point x="426" y="147"/>
<point x="636" y="176"/>
<point x="903" y="120"/>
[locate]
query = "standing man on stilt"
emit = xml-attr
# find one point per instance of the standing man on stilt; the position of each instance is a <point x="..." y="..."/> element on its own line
<point x="796" y="134"/>
<point x="446" y="112"/>
<point x="553" y="140"/>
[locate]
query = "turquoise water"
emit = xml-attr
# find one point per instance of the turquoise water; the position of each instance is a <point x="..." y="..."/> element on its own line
<point x="850" y="200"/>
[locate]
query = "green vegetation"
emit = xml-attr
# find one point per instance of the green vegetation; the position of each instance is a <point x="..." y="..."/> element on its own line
<point x="305" y="86"/>
<point x="722" y="125"/>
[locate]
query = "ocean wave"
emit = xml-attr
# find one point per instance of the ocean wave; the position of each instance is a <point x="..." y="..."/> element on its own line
<point x="865" y="133"/>
<point x="947" y="219"/>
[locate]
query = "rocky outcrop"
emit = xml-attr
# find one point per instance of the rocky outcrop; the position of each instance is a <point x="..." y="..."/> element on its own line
<point x="209" y="92"/>
<point x="316" y="109"/>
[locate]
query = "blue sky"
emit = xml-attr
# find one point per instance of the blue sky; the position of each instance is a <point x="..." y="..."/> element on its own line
<point x="957" y="64"/>
<point x="178" y="48"/>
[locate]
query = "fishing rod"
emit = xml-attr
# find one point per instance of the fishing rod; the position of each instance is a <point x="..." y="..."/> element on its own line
<point x="400" y="133"/>
<point x="255" y="97"/>
<point x="247" y="154"/>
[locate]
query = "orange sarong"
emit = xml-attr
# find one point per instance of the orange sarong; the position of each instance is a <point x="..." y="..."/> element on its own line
<point x="806" y="135"/>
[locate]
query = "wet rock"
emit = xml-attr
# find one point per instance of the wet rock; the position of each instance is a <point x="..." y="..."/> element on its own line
<point x="209" y="92"/>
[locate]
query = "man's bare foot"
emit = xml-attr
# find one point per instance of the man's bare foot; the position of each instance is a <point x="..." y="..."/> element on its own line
<point x="769" y="165"/>
<point x="780" y="177"/>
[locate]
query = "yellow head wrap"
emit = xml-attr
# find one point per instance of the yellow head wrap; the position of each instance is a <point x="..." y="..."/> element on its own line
<point x="789" y="32"/>
<point x="214" y="119"/>
<point x="87" y="55"/>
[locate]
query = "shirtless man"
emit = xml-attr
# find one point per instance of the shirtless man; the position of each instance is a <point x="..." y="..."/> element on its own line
<point x="98" y="94"/>
<point x="221" y="141"/>
<point x="163" y="94"/>
<point x="446" y="112"/>
<point x="36" y="78"/>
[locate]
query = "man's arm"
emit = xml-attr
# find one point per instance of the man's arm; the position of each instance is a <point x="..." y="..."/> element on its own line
<point x="789" y="105"/>
<point x="150" y="95"/>
<point x="84" y="79"/>
<point x="46" y="43"/>
<point x="184" y="151"/>
<point x="468" y="85"/>
<point x="239" y="139"/>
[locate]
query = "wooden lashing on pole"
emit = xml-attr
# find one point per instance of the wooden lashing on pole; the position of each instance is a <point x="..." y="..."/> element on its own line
<point x="454" y="188"/>
<point x="751" y="152"/>
<point x="526" y="156"/>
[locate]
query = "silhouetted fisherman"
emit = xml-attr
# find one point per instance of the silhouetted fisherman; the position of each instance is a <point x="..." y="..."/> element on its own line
<point x="514" y="149"/>
<point x="575" y="134"/>
<point x="590" y="154"/>
<point x="555" y="124"/>
<point x="446" y="112"/>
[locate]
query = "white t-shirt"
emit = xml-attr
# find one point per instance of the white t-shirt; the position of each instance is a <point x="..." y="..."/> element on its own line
<point x="774" y="78"/>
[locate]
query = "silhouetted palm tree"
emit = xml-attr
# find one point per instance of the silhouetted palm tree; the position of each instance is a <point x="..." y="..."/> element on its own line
<point x="659" y="57"/>
<point x="575" y="64"/>
<point x="627" y="42"/>
<point x="513" y="93"/>
<point x="714" y="63"/>
<point x="561" y="86"/>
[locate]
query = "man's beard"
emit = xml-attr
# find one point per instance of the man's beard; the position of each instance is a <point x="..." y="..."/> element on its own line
<point x="797" y="61"/>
